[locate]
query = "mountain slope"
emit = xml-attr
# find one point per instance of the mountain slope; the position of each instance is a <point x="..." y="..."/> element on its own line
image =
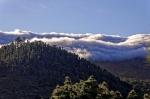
<point x="97" y="47"/>
<point x="124" y="56"/>
<point x="138" y="69"/>
<point x="33" y="69"/>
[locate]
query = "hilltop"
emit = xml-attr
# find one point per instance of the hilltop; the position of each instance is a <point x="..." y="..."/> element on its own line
<point x="30" y="69"/>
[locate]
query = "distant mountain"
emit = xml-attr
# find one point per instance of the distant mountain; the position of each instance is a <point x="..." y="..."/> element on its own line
<point x="135" y="69"/>
<point x="96" y="47"/>
<point x="29" y="70"/>
<point x="124" y="56"/>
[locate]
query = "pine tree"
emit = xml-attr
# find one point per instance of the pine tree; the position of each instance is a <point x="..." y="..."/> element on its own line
<point x="132" y="95"/>
<point x="116" y="95"/>
<point x="146" y="96"/>
<point x="18" y="39"/>
<point x="85" y="89"/>
<point x="89" y="88"/>
<point x="103" y="91"/>
<point x="67" y="80"/>
<point x="64" y="92"/>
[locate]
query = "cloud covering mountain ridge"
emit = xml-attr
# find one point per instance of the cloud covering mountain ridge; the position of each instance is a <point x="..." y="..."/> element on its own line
<point x="98" y="47"/>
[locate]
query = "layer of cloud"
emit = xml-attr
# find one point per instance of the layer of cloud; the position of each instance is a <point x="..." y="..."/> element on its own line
<point x="98" y="47"/>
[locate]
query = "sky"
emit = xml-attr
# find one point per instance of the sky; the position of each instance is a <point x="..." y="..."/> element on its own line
<point x="114" y="17"/>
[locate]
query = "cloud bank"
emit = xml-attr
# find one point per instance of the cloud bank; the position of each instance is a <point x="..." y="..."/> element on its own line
<point x="97" y="47"/>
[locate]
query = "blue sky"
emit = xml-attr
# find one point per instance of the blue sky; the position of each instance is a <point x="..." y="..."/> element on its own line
<point x="121" y="17"/>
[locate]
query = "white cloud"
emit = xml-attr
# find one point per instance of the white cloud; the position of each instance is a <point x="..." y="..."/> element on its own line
<point x="97" y="47"/>
<point x="17" y="32"/>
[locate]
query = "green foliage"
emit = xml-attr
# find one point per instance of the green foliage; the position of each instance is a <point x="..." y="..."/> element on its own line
<point x="141" y="87"/>
<point x="132" y="95"/>
<point x="104" y="91"/>
<point x="67" y="80"/>
<point x="88" y="89"/>
<point x="32" y="69"/>
<point x="146" y="96"/>
<point x="35" y="68"/>
<point x="116" y="95"/>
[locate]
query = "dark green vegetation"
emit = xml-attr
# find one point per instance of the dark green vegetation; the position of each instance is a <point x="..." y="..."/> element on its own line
<point x="90" y="89"/>
<point x="30" y="70"/>
<point x="141" y="87"/>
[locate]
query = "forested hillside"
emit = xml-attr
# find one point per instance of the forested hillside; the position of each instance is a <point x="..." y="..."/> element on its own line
<point x="29" y="70"/>
<point x="91" y="89"/>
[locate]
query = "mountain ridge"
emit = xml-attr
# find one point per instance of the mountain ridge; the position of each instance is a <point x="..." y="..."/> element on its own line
<point x="106" y="50"/>
<point x="28" y="69"/>
<point x="98" y="47"/>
